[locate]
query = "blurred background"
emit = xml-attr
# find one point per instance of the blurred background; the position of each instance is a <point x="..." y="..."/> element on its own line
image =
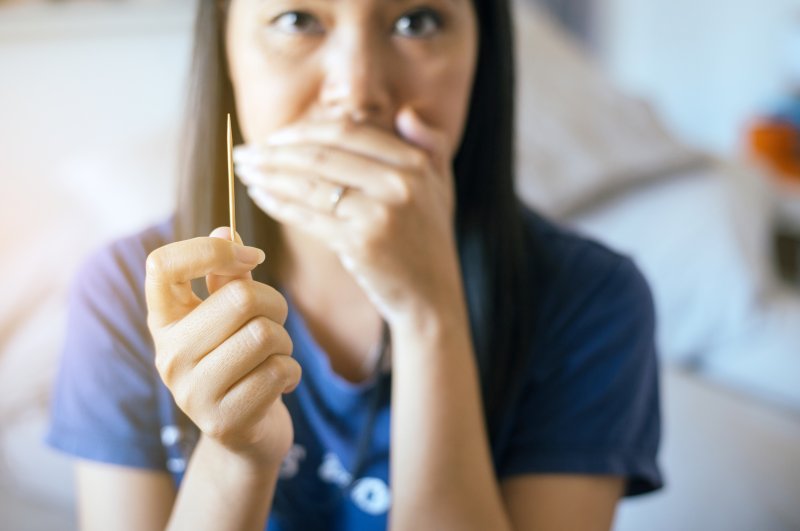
<point x="669" y="129"/>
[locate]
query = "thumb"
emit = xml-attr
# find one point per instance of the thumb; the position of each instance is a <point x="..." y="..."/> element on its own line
<point x="215" y="282"/>
<point x="416" y="131"/>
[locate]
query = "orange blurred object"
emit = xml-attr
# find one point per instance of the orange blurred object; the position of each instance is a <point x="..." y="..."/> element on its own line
<point x="777" y="144"/>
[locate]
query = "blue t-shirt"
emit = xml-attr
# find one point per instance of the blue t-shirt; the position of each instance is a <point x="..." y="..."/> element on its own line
<point x="590" y="400"/>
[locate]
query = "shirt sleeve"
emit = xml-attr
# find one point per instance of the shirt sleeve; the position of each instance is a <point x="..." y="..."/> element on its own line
<point x="105" y="401"/>
<point x="590" y="404"/>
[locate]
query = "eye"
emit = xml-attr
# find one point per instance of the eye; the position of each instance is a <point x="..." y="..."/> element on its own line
<point x="419" y="24"/>
<point x="297" y="22"/>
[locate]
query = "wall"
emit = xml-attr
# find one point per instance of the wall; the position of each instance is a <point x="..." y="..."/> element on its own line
<point x="708" y="65"/>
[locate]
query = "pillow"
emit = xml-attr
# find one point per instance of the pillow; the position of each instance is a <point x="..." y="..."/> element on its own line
<point x="680" y="234"/>
<point x="699" y="238"/>
<point x="85" y="163"/>
<point x="89" y="145"/>
<point x="579" y="139"/>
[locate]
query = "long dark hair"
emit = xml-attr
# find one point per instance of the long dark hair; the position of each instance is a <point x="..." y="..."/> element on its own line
<point x="489" y="223"/>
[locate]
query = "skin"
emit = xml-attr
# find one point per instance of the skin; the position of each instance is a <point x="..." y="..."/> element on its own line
<point x="358" y="93"/>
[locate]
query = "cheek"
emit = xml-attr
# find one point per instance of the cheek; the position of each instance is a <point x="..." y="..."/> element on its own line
<point x="266" y="99"/>
<point x="270" y="91"/>
<point x="440" y="91"/>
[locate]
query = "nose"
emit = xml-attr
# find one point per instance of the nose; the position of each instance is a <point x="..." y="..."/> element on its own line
<point x="355" y="83"/>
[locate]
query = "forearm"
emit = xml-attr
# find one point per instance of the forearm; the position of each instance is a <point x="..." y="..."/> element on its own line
<point x="441" y="469"/>
<point x="221" y="491"/>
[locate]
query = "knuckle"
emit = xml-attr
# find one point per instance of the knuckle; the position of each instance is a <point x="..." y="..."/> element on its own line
<point x="282" y="307"/>
<point x="362" y="247"/>
<point x="404" y="192"/>
<point x="183" y="397"/>
<point x="277" y="372"/>
<point x="359" y="242"/>
<point x="272" y="371"/>
<point x="153" y="323"/>
<point x="288" y="341"/>
<point x="162" y="367"/>
<point x="241" y="296"/>
<point x="344" y="127"/>
<point x="320" y="154"/>
<point x="214" y="250"/>
<point x="417" y="159"/>
<point x="282" y="341"/>
<point x="382" y="217"/>
<point x="166" y="367"/>
<point x="294" y="372"/>
<point x="260" y="331"/>
<point x="400" y="184"/>
<point x="218" y="422"/>
<point x="215" y="427"/>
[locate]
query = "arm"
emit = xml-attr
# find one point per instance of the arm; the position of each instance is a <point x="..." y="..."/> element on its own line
<point x="233" y="494"/>
<point x="220" y="359"/>
<point x="442" y="474"/>
<point x="226" y="361"/>
<point x="548" y="501"/>
<point x="122" y="498"/>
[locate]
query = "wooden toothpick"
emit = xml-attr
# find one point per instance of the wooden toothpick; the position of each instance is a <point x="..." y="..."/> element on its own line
<point x="231" y="197"/>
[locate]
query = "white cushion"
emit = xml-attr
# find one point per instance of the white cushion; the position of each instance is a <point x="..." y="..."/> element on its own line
<point x="89" y="147"/>
<point x="579" y="138"/>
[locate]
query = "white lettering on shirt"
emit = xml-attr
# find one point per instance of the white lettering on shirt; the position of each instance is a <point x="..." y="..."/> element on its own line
<point x="332" y="471"/>
<point x="291" y="463"/>
<point x="370" y="494"/>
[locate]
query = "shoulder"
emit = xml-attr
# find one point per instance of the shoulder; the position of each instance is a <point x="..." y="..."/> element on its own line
<point x="106" y="398"/>
<point x="106" y="297"/>
<point x="117" y="268"/>
<point x="589" y="402"/>
<point x="573" y="275"/>
<point x="592" y="304"/>
<point x="560" y="254"/>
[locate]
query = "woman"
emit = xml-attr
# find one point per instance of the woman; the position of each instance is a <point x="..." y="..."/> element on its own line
<point x="513" y="360"/>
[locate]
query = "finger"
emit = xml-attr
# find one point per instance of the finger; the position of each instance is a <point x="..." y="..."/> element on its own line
<point x="251" y="396"/>
<point x="171" y="268"/>
<point x="415" y="130"/>
<point x="311" y="192"/>
<point x="215" y="281"/>
<point x="221" y="316"/>
<point x="329" y="163"/>
<point x="241" y="353"/>
<point x="321" y="224"/>
<point x="367" y="140"/>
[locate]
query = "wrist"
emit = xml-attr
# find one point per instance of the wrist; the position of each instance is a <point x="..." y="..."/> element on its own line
<point x="431" y="326"/>
<point x="250" y="468"/>
<point x="434" y="310"/>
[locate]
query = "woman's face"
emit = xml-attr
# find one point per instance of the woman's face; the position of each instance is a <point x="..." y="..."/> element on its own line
<point x="318" y="60"/>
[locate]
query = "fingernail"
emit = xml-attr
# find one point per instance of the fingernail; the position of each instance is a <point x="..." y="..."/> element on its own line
<point x="220" y="232"/>
<point x="248" y="173"/>
<point x="240" y="153"/>
<point x="248" y="155"/>
<point x="249" y="255"/>
<point x="242" y="170"/>
<point x="281" y="137"/>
